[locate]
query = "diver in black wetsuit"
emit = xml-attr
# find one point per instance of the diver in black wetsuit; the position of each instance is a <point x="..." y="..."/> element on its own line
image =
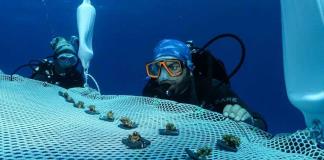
<point x="62" y="69"/>
<point x="199" y="79"/>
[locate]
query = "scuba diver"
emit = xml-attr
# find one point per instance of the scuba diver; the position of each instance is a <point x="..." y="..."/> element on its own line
<point x="188" y="74"/>
<point x="62" y="69"/>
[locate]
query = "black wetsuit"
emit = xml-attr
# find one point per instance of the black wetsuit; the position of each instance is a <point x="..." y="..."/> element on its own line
<point x="207" y="92"/>
<point x="45" y="71"/>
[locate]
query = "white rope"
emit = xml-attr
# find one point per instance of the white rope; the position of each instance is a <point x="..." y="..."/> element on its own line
<point x="93" y="79"/>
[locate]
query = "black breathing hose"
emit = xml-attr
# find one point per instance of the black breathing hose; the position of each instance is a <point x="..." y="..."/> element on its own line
<point x="243" y="52"/>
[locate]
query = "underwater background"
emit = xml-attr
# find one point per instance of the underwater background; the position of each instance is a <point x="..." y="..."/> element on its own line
<point x="126" y="32"/>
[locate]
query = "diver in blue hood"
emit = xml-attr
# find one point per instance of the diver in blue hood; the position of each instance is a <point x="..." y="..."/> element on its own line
<point x="187" y="74"/>
<point x="60" y="68"/>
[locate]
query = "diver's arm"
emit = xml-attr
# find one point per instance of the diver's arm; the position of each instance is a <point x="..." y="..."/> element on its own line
<point x="224" y="96"/>
<point x="40" y="72"/>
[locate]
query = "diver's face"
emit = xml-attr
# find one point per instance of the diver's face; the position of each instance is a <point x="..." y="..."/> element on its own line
<point x="67" y="60"/>
<point x="166" y="78"/>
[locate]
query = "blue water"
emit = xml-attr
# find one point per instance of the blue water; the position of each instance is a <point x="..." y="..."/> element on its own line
<point x="127" y="30"/>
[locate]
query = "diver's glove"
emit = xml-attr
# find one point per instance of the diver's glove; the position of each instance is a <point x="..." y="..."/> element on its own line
<point x="61" y="45"/>
<point x="240" y="114"/>
<point x="236" y="112"/>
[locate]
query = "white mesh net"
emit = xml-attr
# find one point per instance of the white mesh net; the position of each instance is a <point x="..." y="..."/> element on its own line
<point x="37" y="123"/>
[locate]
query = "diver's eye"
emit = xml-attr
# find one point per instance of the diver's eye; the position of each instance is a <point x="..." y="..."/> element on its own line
<point x="174" y="66"/>
<point x="154" y="68"/>
<point x="63" y="58"/>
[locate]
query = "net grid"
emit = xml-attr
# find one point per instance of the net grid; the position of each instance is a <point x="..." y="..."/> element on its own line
<point x="38" y="123"/>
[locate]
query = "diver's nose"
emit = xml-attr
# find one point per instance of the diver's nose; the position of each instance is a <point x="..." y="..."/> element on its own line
<point x="164" y="75"/>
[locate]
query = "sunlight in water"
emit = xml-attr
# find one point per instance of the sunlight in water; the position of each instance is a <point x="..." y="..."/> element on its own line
<point x="314" y="97"/>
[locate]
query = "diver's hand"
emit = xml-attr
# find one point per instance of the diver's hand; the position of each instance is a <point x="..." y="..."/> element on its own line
<point x="236" y="112"/>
